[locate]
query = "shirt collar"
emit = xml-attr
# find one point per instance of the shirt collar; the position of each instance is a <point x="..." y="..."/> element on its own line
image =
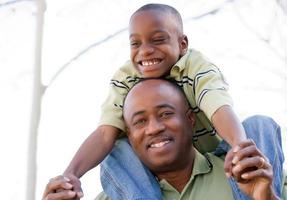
<point x="202" y="165"/>
<point x="181" y="63"/>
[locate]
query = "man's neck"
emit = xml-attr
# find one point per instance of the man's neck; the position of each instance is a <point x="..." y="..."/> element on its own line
<point x="180" y="177"/>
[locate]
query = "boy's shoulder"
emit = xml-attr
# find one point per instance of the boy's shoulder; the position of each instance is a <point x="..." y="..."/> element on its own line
<point x="195" y="57"/>
<point x="126" y="71"/>
<point x="194" y="60"/>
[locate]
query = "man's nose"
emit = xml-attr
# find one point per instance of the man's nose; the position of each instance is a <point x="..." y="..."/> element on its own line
<point x="154" y="126"/>
<point x="146" y="49"/>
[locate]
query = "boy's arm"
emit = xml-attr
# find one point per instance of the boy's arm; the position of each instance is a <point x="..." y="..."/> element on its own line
<point x="230" y="129"/>
<point x="228" y="125"/>
<point x="93" y="150"/>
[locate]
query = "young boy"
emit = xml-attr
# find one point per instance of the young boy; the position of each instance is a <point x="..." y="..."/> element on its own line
<point x="160" y="49"/>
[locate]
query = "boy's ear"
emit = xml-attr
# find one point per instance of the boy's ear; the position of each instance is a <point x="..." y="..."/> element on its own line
<point x="183" y="45"/>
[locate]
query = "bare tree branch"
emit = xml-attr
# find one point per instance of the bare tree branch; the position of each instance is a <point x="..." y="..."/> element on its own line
<point x="85" y="50"/>
<point x="283" y="5"/>
<point x="8" y="3"/>
<point x="211" y="12"/>
<point x="265" y="40"/>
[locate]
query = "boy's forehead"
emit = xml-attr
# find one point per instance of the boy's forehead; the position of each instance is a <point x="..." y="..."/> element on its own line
<point x="152" y="13"/>
<point x="153" y="16"/>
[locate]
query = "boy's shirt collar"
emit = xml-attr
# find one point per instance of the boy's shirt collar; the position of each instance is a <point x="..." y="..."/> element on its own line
<point x="181" y="63"/>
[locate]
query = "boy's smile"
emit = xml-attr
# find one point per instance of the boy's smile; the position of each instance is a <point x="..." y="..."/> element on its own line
<point x="156" y="42"/>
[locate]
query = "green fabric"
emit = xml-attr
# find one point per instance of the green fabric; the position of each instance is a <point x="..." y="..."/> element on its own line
<point x="284" y="185"/>
<point x="205" y="183"/>
<point x="202" y="82"/>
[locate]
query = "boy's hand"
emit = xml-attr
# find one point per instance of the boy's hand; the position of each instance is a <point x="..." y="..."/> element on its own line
<point x="60" y="188"/>
<point x="252" y="171"/>
<point x="76" y="185"/>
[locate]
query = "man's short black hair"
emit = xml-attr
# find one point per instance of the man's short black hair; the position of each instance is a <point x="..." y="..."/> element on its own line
<point x="165" y="9"/>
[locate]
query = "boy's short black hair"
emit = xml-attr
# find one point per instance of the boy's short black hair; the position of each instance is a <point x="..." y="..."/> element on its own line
<point x="165" y="9"/>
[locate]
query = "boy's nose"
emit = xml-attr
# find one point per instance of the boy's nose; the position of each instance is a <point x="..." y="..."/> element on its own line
<point x="146" y="49"/>
<point x="154" y="127"/>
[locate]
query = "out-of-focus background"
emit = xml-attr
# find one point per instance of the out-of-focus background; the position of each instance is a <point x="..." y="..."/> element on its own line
<point x="57" y="57"/>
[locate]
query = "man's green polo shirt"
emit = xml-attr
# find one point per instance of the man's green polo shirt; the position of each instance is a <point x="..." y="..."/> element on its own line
<point x="208" y="181"/>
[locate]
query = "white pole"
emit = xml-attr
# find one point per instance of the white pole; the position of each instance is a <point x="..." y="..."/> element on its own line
<point x="37" y="93"/>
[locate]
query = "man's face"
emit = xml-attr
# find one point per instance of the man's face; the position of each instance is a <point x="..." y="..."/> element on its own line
<point x="159" y="124"/>
<point x="156" y="43"/>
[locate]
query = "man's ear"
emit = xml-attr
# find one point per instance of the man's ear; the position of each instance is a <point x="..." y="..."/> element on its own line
<point x="190" y="116"/>
<point x="183" y="45"/>
<point x="127" y="131"/>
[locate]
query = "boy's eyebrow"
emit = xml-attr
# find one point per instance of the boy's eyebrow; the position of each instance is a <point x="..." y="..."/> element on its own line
<point x="154" y="32"/>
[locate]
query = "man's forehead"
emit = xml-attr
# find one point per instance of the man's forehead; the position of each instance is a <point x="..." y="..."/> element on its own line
<point x="159" y="90"/>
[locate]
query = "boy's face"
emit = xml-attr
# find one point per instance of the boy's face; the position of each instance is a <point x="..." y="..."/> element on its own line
<point x="156" y="42"/>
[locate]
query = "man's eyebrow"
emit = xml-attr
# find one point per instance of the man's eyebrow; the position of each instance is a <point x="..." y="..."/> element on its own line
<point x="140" y="112"/>
<point x="165" y="106"/>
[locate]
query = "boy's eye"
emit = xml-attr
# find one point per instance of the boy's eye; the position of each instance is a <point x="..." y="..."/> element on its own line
<point x="158" y="40"/>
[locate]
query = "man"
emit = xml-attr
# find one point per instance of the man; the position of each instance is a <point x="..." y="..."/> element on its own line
<point x="160" y="123"/>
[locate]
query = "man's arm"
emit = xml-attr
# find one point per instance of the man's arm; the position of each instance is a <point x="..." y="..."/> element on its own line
<point x="228" y="125"/>
<point x="93" y="150"/>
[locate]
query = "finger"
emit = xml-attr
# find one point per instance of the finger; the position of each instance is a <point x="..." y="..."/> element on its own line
<point x="228" y="163"/>
<point x="248" y="151"/>
<point x="76" y="186"/>
<point x="243" y="144"/>
<point x="65" y="194"/>
<point x="264" y="175"/>
<point x="57" y="183"/>
<point x="249" y="164"/>
<point x="78" y="190"/>
<point x="257" y="162"/>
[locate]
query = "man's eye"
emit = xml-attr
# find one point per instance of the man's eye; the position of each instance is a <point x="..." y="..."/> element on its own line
<point x="134" y="44"/>
<point x="139" y="122"/>
<point x="166" y="114"/>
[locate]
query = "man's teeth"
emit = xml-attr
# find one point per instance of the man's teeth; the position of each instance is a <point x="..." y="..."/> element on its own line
<point x="160" y="144"/>
<point x="150" y="62"/>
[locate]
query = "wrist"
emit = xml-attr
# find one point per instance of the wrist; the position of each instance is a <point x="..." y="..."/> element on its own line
<point x="71" y="172"/>
<point x="268" y="194"/>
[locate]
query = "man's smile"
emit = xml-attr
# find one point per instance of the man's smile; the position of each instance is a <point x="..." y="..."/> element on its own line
<point x="159" y="142"/>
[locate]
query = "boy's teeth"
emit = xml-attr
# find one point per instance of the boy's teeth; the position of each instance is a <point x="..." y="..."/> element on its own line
<point x="160" y="144"/>
<point x="149" y="62"/>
